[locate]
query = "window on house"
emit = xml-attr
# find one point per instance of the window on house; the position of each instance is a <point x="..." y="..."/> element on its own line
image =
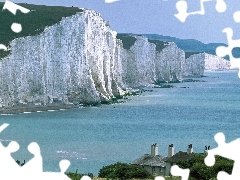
<point x="153" y="168"/>
<point x="161" y="169"/>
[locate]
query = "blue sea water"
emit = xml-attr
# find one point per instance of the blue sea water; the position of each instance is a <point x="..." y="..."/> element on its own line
<point x="92" y="137"/>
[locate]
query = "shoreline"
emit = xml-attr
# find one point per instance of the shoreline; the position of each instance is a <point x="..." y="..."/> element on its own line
<point x="35" y="108"/>
<point x="31" y="108"/>
<point x="24" y="109"/>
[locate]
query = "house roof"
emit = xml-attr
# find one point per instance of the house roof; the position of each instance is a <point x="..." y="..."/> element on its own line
<point x="149" y="160"/>
<point x="180" y="156"/>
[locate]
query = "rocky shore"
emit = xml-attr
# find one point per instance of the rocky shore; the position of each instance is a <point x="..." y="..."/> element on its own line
<point x="33" y="108"/>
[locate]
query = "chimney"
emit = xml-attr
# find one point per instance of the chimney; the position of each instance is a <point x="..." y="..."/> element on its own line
<point x="170" y="150"/>
<point x="154" y="149"/>
<point x="206" y="149"/>
<point x="190" y="149"/>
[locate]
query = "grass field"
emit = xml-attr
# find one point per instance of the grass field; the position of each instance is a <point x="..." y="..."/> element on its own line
<point x="33" y="23"/>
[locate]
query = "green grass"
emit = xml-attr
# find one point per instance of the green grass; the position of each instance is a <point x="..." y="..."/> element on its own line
<point x="33" y="23"/>
<point x="159" y="44"/>
<point x="189" y="53"/>
<point x="127" y="39"/>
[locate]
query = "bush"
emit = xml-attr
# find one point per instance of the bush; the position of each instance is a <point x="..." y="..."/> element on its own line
<point x="123" y="171"/>
<point x="77" y="176"/>
<point x="198" y="169"/>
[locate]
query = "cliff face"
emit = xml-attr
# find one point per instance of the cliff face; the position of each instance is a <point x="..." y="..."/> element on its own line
<point x="194" y="65"/>
<point x="80" y="60"/>
<point x="74" y="61"/>
<point x="197" y="63"/>
<point x="139" y="63"/>
<point x="144" y="63"/>
<point x="169" y="63"/>
<point x="215" y="63"/>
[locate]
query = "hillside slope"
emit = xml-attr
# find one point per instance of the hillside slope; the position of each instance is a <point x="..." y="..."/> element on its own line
<point x="33" y="23"/>
<point x="190" y="46"/>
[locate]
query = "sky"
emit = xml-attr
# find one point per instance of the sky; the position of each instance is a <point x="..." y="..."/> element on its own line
<point x="157" y="17"/>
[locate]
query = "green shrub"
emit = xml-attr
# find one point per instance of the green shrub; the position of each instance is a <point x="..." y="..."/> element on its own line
<point x="77" y="176"/>
<point x="123" y="171"/>
<point x="198" y="169"/>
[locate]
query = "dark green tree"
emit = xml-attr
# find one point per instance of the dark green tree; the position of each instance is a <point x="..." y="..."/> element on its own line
<point x="123" y="171"/>
<point x="198" y="169"/>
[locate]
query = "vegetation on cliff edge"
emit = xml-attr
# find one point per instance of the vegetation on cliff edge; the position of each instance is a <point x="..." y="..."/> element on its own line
<point x="33" y="23"/>
<point x="159" y="44"/>
<point x="128" y="40"/>
<point x="123" y="171"/>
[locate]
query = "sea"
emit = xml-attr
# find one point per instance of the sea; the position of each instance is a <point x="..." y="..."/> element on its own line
<point x="93" y="137"/>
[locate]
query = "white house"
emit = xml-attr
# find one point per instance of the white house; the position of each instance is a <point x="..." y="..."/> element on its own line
<point x="153" y="163"/>
<point x="161" y="165"/>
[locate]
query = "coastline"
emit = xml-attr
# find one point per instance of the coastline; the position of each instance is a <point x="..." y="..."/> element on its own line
<point x="34" y="108"/>
<point x="30" y="108"/>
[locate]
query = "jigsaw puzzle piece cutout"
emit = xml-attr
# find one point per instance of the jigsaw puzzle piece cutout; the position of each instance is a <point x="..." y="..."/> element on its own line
<point x="176" y="171"/>
<point x="3" y="126"/>
<point x="12" y="7"/>
<point x="5" y="153"/>
<point x="222" y="51"/>
<point x="159" y="178"/>
<point x="9" y="169"/>
<point x="33" y="166"/>
<point x="182" y="7"/>
<point x="7" y="164"/>
<point x="16" y="27"/>
<point x="85" y="178"/>
<point x="3" y="47"/>
<point x="223" y="176"/>
<point x="64" y="165"/>
<point x="221" y="6"/>
<point x="236" y="16"/>
<point x="227" y="150"/>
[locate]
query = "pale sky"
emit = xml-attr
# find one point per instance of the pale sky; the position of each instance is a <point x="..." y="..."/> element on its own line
<point x="157" y="17"/>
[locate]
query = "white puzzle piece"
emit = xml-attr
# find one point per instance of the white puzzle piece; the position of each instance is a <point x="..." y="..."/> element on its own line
<point x="33" y="169"/>
<point x="228" y="150"/>
<point x="182" y="8"/>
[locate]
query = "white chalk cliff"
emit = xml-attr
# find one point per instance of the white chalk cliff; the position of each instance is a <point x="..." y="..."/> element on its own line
<point x="80" y="60"/>
<point x="215" y="63"/>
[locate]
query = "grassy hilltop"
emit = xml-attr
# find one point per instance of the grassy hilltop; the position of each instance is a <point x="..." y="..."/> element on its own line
<point x="33" y="23"/>
<point x="189" y="46"/>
